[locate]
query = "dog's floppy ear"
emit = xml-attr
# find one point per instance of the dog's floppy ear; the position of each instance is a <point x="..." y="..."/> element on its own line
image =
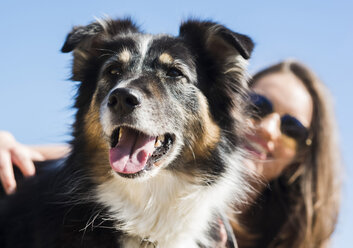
<point x="87" y="44"/>
<point x="216" y="38"/>
<point x="80" y="34"/>
<point x="241" y="42"/>
<point x="222" y="55"/>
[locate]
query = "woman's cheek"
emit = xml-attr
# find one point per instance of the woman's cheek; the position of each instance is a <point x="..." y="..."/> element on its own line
<point x="286" y="151"/>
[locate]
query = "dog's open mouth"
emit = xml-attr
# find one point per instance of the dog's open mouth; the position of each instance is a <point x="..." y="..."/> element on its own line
<point x="133" y="151"/>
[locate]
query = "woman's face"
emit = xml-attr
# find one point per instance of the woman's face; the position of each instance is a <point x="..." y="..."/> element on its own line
<point x="273" y="152"/>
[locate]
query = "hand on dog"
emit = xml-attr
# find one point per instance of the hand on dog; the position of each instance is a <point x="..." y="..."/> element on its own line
<point x="223" y="235"/>
<point x="14" y="153"/>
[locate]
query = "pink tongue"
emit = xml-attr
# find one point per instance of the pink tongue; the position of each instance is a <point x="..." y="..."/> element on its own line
<point x="130" y="155"/>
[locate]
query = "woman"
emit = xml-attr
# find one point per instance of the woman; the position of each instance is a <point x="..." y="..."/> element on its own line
<point x="295" y="153"/>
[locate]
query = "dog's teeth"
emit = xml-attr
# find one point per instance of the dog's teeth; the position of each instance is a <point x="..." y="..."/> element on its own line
<point x="158" y="143"/>
<point x="120" y="133"/>
<point x="161" y="138"/>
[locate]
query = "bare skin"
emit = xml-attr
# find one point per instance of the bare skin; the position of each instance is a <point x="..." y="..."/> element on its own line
<point x="273" y="151"/>
<point x="23" y="156"/>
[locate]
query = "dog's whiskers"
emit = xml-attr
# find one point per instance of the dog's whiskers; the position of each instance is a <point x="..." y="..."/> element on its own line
<point x="91" y="220"/>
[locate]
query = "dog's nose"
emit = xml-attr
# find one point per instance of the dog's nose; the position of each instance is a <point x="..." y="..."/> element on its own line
<point x="124" y="100"/>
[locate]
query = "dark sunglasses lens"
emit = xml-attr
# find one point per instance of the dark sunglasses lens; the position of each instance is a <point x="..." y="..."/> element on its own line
<point x="261" y="106"/>
<point x="293" y="128"/>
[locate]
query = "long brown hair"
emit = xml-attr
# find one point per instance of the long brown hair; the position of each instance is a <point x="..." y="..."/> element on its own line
<point x="300" y="208"/>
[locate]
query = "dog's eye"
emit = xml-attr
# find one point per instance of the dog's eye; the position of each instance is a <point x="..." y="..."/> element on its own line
<point x="174" y="72"/>
<point x="114" y="71"/>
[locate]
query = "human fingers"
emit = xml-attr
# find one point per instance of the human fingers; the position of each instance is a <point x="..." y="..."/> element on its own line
<point x="35" y="155"/>
<point x="7" y="140"/>
<point x="223" y="235"/>
<point x="21" y="156"/>
<point x="6" y="172"/>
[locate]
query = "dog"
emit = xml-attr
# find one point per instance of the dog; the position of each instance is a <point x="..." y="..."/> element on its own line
<point x="156" y="152"/>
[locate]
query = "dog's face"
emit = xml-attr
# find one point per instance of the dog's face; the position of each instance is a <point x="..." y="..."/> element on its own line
<point x="152" y="102"/>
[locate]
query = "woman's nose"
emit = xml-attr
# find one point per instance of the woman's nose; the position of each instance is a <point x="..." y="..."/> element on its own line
<point x="270" y="125"/>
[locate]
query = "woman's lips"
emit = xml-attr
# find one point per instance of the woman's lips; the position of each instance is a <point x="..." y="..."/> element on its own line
<point x="257" y="147"/>
<point x="254" y="151"/>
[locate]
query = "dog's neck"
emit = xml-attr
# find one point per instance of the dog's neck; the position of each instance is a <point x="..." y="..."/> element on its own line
<point x="166" y="208"/>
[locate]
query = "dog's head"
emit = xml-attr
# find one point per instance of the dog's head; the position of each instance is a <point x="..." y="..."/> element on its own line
<point x="151" y="102"/>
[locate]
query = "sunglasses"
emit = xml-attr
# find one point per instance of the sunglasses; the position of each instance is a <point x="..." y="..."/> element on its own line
<point x="290" y="126"/>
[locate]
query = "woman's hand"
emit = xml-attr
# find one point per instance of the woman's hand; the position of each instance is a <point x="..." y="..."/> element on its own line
<point x="14" y="153"/>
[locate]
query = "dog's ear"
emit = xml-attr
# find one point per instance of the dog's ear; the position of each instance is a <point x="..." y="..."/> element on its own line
<point x="241" y="42"/>
<point x="80" y="35"/>
<point x="87" y="44"/>
<point x="222" y="56"/>
<point x="216" y="38"/>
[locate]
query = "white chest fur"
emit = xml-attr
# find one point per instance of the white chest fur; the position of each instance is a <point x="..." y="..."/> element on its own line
<point x="166" y="208"/>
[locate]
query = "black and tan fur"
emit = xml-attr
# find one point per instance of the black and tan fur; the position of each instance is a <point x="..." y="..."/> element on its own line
<point x="190" y="88"/>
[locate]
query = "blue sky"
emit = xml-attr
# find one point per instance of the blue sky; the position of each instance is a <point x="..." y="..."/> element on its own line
<point x="36" y="97"/>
